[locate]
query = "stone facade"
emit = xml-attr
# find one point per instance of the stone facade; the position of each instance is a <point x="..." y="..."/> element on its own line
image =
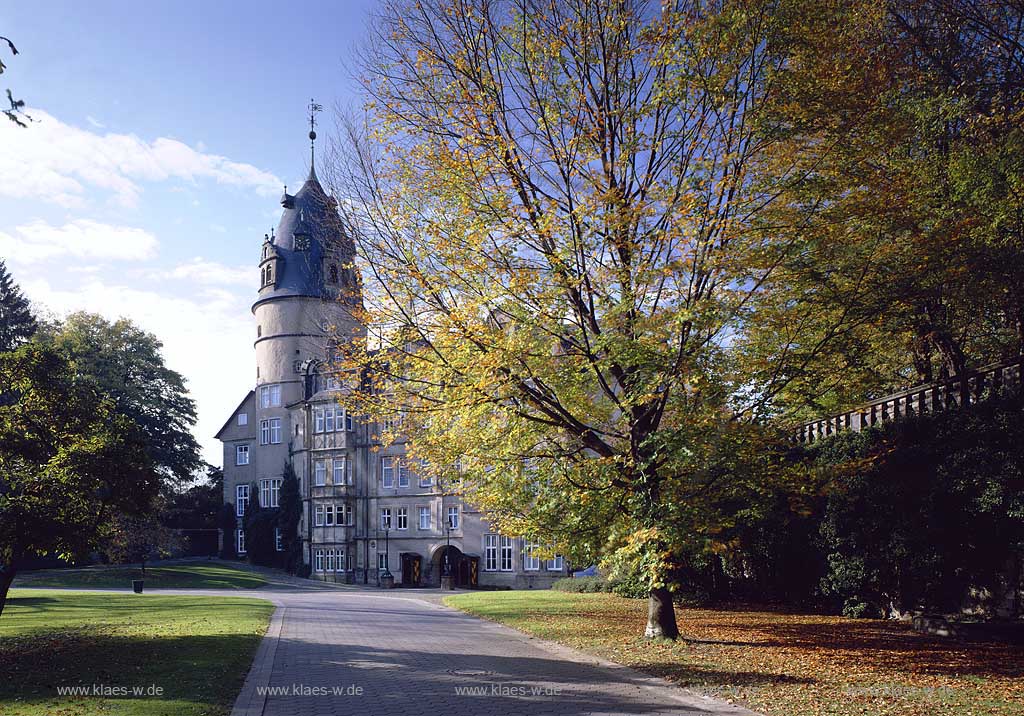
<point x="366" y="508"/>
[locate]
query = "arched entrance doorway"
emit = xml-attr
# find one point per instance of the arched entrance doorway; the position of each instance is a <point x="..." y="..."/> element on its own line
<point x="449" y="559"/>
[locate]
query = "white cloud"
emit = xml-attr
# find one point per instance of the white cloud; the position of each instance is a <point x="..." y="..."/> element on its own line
<point x="81" y="239"/>
<point x="208" y="340"/>
<point x="200" y="270"/>
<point x="57" y="162"/>
<point x="95" y="122"/>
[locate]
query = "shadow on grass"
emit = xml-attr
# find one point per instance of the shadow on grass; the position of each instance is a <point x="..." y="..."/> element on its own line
<point x="33" y="603"/>
<point x="884" y="645"/>
<point x="206" y="669"/>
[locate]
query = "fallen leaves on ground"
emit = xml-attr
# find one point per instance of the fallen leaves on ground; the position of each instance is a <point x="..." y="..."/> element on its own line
<point x="780" y="663"/>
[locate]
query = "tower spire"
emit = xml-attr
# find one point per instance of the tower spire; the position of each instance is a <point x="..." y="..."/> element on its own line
<point x="313" y="109"/>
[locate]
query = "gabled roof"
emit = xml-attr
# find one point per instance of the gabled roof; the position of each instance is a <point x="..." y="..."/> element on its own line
<point x="234" y="412"/>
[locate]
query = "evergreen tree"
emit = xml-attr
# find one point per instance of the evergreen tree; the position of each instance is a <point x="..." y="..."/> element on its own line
<point x="288" y="518"/>
<point x="16" y="321"/>
<point x="259" y="525"/>
<point x="228" y="525"/>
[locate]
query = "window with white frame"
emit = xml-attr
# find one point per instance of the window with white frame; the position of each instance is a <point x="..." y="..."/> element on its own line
<point x="241" y="454"/>
<point x="318" y="516"/>
<point x="319" y="561"/>
<point x="426" y="479"/>
<point x="339" y="470"/>
<point x="350" y="515"/>
<point x="240" y="541"/>
<point x="270" y="396"/>
<point x="318" y="420"/>
<point x="329" y="420"/>
<point x="243" y="418"/>
<point x="403" y="472"/>
<point x="329" y="515"/>
<point x="270" y="492"/>
<point x="330" y="560"/>
<point x="490" y="552"/>
<point x="402" y="518"/>
<point x="270" y="431"/>
<point x="387" y="472"/>
<point x="319" y="473"/>
<point x="531" y="562"/>
<point x="278" y="542"/>
<point x="424" y="518"/>
<point x="507" y="550"/>
<point x="385" y="518"/>
<point x="453" y="517"/>
<point x="241" y="500"/>
<point x="556" y="564"/>
<point x="382" y="560"/>
<point x="348" y="422"/>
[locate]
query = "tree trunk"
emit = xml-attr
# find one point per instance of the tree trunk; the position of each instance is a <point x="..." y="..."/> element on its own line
<point x="7" y="572"/>
<point x="661" y="615"/>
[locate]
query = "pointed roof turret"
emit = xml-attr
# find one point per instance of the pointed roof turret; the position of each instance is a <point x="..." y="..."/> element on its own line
<point x="311" y="240"/>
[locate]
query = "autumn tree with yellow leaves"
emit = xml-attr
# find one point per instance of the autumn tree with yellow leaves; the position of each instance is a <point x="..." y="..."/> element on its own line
<point x="557" y="207"/>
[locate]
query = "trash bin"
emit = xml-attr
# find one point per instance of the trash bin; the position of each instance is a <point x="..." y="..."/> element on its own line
<point x="137" y="586"/>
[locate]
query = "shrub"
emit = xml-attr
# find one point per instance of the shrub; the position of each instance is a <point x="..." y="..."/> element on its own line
<point x="936" y="511"/>
<point x="582" y="584"/>
<point x="631" y="587"/>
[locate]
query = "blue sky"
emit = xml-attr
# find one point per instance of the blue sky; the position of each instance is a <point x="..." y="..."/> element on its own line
<point x="164" y="133"/>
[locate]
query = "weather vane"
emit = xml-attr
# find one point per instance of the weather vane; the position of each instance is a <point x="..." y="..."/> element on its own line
<point x="313" y="109"/>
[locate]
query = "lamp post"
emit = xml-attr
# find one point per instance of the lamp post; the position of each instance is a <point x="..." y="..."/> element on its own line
<point x="446" y="567"/>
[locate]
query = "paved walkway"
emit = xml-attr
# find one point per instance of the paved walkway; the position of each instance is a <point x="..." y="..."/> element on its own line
<point x="339" y="653"/>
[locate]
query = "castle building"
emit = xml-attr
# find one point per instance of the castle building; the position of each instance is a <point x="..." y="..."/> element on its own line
<point x="366" y="509"/>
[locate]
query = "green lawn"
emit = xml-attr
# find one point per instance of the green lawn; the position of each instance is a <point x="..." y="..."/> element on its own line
<point x="200" y="574"/>
<point x="197" y="650"/>
<point x="779" y="663"/>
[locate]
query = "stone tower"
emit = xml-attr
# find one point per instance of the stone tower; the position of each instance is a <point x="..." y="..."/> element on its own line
<point x="308" y="290"/>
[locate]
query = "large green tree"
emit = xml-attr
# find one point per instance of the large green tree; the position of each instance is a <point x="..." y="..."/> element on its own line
<point x="17" y="324"/>
<point x="68" y="460"/>
<point x="558" y="203"/>
<point x="126" y="363"/>
<point x="906" y="116"/>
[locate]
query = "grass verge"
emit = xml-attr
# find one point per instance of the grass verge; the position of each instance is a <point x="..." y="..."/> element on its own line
<point x="200" y="574"/>
<point x="195" y="650"/>
<point x="780" y="664"/>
